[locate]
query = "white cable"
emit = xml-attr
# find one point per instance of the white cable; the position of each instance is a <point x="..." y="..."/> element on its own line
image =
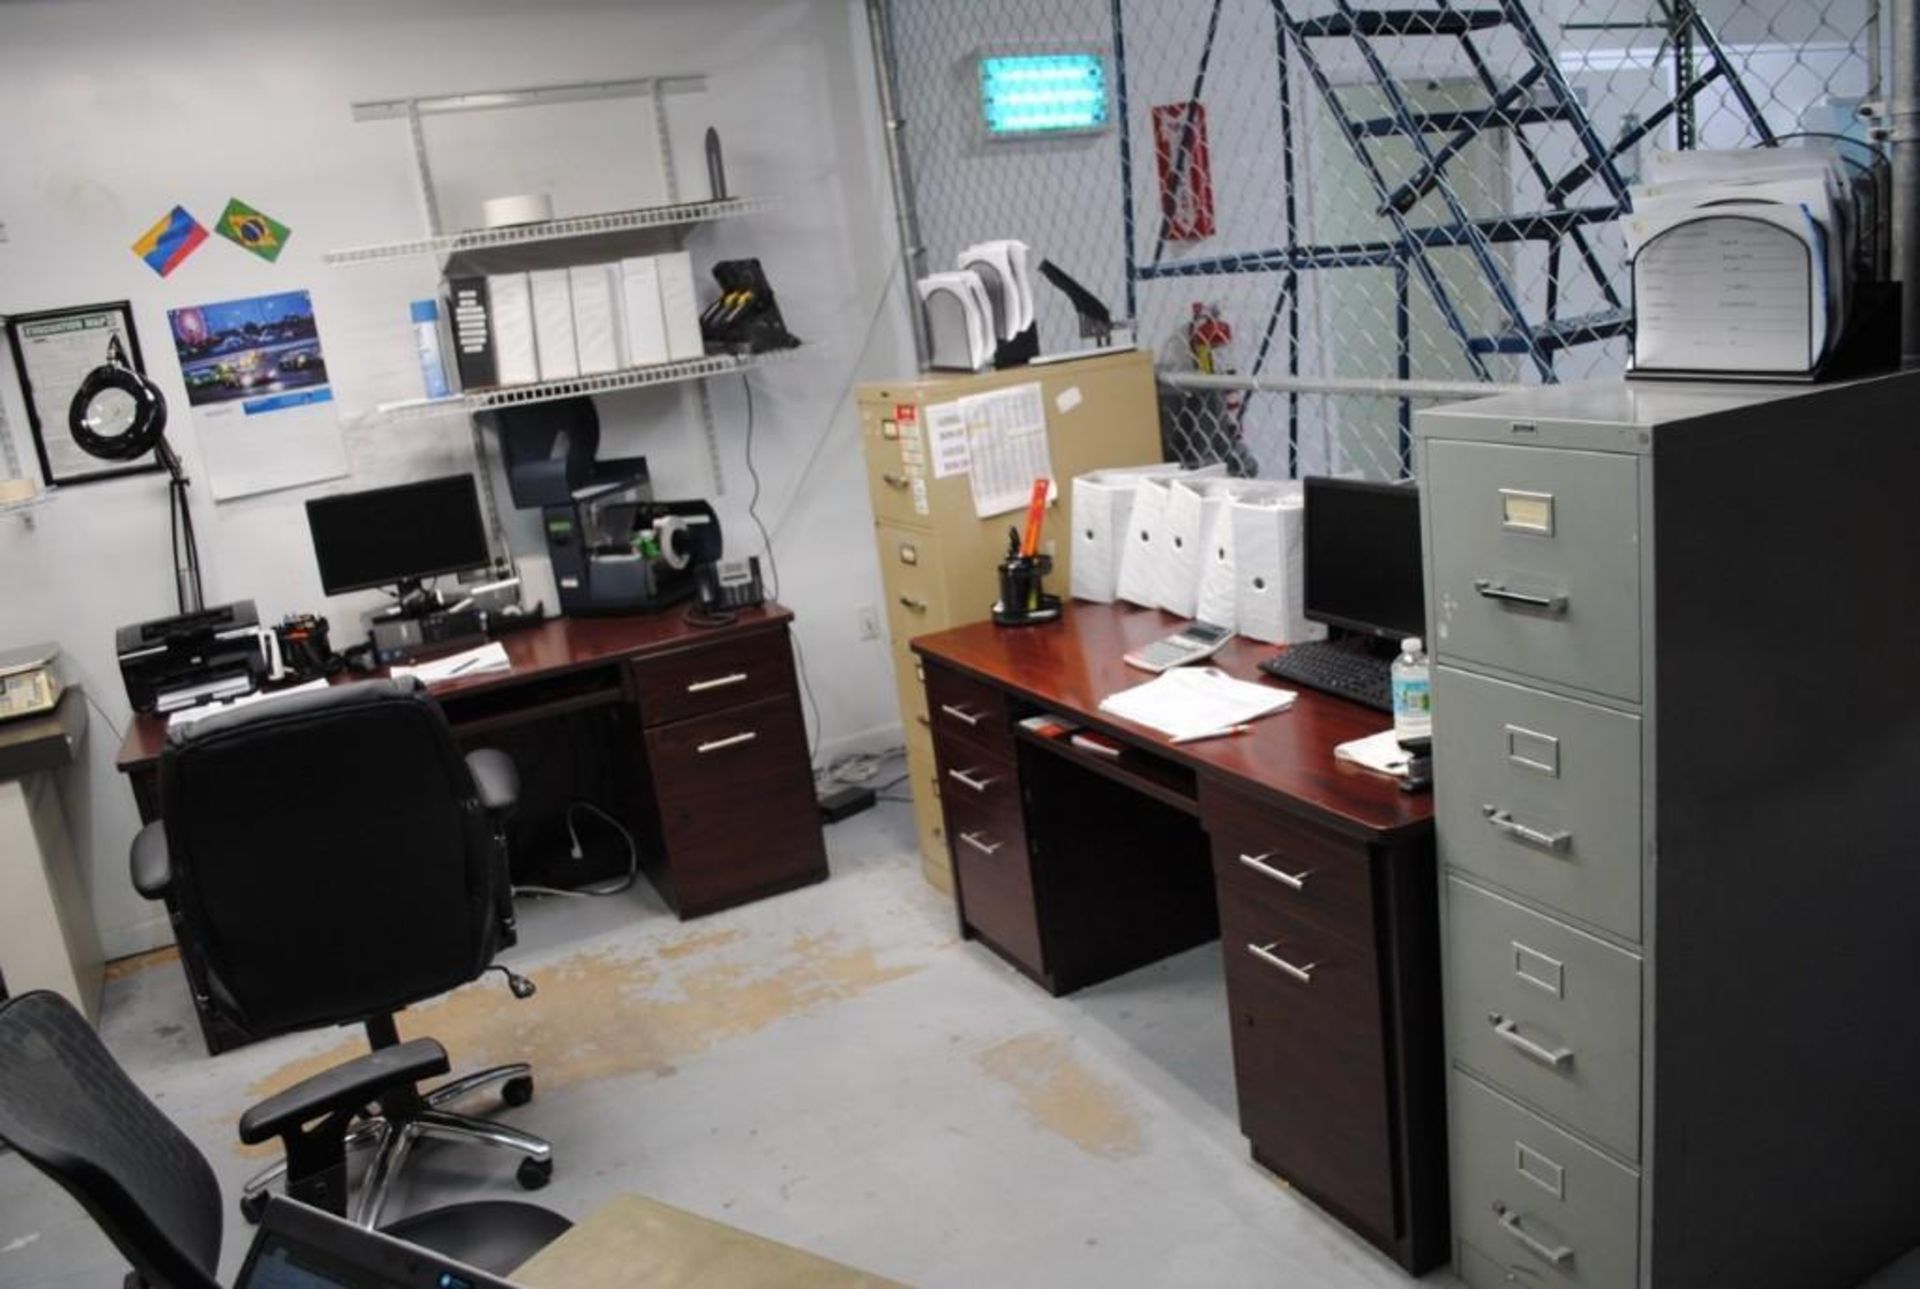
<point x="589" y="892"/>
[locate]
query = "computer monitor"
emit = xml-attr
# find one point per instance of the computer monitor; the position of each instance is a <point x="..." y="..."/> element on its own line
<point x="397" y="536"/>
<point x="1363" y="557"/>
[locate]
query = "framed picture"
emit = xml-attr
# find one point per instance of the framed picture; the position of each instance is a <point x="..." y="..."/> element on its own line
<point x="53" y="351"/>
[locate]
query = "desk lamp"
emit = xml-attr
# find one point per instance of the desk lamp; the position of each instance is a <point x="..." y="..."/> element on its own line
<point x="117" y="414"/>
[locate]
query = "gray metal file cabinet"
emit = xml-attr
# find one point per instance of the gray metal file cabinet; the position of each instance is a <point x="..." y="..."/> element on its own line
<point x="1676" y="644"/>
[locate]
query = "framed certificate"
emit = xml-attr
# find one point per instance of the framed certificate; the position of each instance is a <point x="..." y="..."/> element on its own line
<point x="53" y="351"/>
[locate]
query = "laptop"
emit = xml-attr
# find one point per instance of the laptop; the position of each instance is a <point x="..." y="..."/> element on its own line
<point x="301" y="1247"/>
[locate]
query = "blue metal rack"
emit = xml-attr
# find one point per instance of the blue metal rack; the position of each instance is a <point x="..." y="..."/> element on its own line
<point x="1539" y="97"/>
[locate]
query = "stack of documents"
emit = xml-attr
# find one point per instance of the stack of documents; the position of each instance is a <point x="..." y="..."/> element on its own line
<point x="1190" y="703"/>
<point x="491" y="656"/>
<point x="189" y="715"/>
<point x="1002" y="269"/>
<point x="1380" y="753"/>
<point x="1746" y="261"/>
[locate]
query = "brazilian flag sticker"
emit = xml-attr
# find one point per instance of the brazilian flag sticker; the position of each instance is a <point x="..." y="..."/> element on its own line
<point x="244" y="226"/>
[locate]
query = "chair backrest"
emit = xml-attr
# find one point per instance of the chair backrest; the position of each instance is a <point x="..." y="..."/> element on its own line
<point x="73" y="1113"/>
<point x="330" y="855"/>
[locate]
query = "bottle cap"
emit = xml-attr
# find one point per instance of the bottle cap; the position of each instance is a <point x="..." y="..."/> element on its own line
<point x="1413" y="644"/>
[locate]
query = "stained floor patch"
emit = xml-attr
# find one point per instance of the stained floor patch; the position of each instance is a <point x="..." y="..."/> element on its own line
<point x="1064" y="1097"/>
<point x="600" y="1015"/>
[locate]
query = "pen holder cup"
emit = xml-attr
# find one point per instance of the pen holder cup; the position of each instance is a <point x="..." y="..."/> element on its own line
<point x="1024" y="602"/>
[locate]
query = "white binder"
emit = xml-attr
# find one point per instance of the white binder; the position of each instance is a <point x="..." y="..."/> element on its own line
<point x="1147" y="547"/>
<point x="641" y="317"/>
<point x="1270" y="567"/>
<point x="680" y="305"/>
<point x="516" y="361"/>
<point x="1102" y="506"/>
<point x="596" y="317"/>
<point x="553" y="333"/>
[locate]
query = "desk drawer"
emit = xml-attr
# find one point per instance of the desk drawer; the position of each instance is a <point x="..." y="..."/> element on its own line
<point x="993" y="876"/>
<point x="1546" y="1012"/>
<point x="968" y="710"/>
<point x="737" y="810"/>
<point x="1527" y="1194"/>
<point x="713" y="677"/>
<point x="1540" y="794"/>
<point x="1536" y="562"/>
<point x="1310" y="874"/>
<point x="1309" y="1056"/>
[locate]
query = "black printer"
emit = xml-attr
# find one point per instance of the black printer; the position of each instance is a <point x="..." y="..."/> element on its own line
<point x="205" y="656"/>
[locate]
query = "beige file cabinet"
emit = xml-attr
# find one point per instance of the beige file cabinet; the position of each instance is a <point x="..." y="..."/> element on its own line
<point x="938" y="559"/>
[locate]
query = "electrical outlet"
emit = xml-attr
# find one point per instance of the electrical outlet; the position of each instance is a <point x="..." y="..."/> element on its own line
<point x="869" y="619"/>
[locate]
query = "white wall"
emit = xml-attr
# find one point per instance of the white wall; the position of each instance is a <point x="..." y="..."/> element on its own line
<point x="114" y="110"/>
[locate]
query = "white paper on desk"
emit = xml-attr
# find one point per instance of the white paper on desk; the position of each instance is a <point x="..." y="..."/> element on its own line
<point x="477" y="661"/>
<point x="1189" y="702"/>
<point x="1007" y="446"/>
<point x="1380" y="753"/>
<point x="190" y="715"/>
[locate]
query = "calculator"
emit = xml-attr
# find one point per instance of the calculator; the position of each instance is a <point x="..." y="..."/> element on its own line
<point x="1190" y="643"/>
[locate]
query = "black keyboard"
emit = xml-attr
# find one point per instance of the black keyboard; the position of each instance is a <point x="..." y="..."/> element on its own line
<point x="1337" y="667"/>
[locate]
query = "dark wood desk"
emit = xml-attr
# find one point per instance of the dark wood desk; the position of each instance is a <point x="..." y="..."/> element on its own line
<point x="667" y="726"/>
<point x="1317" y="876"/>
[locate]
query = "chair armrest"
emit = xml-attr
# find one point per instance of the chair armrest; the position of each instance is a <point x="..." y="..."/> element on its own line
<point x="152" y="866"/>
<point x="344" y="1087"/>
<point x="496" y="778"/>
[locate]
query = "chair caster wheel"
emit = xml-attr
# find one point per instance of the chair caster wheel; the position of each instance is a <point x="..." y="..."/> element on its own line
<point x="254" y="1207"/>
<point x="534" y="1173"/>
<point x="517" y="1091"/>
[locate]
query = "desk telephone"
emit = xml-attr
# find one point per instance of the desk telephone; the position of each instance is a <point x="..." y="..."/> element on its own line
<point x="728" y="584"/>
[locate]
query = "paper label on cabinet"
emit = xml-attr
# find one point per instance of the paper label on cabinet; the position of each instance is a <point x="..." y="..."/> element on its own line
<point x="947" y="434"/>
<point x="1067" y="399"/>
<point x="919" y="496"/>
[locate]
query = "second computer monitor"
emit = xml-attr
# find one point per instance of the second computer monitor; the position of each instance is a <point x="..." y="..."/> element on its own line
<point x="391" y="536"/>
<point x="1363" y="557"/>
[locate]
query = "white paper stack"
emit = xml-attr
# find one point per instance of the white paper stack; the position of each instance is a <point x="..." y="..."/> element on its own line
<point x="1380" y="753"/>
<point x="1743" y="260"/>
<point x="1193" y="702"/>
<point x="642" y="320"/>
<point x="680" y="306"/>
<point x="596" y="317"/>
<point x="1002" y="269"/>
<point x="192" y="715"/>
<point x="477" y="661"/>
<point x="959" y="321"/>
<point x="515" y="357"/>
<point x="553" y="334"/>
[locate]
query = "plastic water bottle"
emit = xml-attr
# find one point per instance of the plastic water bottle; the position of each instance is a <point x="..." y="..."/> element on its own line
<point x="1412" y="691"/>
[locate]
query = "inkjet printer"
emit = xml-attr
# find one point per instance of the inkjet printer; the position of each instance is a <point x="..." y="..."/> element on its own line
<point x="207" y="656"/>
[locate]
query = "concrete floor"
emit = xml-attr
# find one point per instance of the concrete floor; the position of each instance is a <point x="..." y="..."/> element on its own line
<point x="833" y="1068"/>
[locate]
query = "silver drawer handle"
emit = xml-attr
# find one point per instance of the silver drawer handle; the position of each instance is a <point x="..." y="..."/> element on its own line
<point x="966" y="778"/>
<point x="893" y="480"/>
<point x="1547" y="601"/>
<point x="913" y="604"/>
<point x="985" y="848"/>
<point x="1258" y="863"/>
<point x="718" y="682"/>
<point x="1509" y="1030"/>
<point x="1559" y="1255"/>
<point x="962" y="714"/>
<point x="1266" y="954"/>
<point x="1557" y="842"/>
<point x="732" y="740"/>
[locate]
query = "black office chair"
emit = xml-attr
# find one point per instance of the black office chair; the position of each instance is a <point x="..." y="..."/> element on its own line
<point x="72" y="1112"/>
<point x="333" y="858"/>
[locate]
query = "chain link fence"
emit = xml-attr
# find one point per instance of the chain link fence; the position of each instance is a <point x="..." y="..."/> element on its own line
<point x="1319" y="216"/>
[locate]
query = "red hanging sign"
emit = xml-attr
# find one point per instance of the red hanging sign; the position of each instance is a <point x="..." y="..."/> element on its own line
<point x="1186" y="171"/>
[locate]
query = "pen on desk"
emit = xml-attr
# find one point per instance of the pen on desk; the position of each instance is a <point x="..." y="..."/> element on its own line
<point x="462" y="667"/>
<point x="1228" y="732"/>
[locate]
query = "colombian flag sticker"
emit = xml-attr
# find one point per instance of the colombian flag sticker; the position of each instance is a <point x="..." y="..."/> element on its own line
<point x="245" y="226"/>
<point x="169" y="242"/>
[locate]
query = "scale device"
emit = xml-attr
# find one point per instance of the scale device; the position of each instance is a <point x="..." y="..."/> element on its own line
<point x="28" y="685"/>
<point x="1194" y="642"/>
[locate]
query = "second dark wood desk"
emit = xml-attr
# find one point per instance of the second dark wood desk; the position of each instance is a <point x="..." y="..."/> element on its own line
<point x="687" y="726"/>
<point x="1317" y="876"/>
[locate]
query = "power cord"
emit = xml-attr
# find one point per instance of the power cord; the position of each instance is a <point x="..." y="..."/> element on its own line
<point x="773" y="573"/>
<point x="573" y="841"/>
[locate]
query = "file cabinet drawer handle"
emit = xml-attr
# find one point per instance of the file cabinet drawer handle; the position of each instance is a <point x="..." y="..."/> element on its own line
<point x="966" y="779"/>
<point x="718" y="682"/>
<point x="985" y="848"/>
<point x="1266" y="954"/>
<point x="1258" y="863"/>
<point x="962" y="714"/>
<point x="732" y="740"/>
<point x="1557" y="842"/>
<point x="913" y="604"/>
<point x="1546" y="601"/>
<point x="893" y="480"/>
<point x="1558" y="1254"/>
<point x="1509" y="1031"/>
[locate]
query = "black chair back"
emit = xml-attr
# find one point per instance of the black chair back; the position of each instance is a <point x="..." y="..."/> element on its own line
<point x="330" y="855"/>
<point x="71" y="1112"/>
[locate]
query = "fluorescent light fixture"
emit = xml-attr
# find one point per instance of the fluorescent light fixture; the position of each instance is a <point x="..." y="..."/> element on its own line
<point x="1022" y="95"/>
